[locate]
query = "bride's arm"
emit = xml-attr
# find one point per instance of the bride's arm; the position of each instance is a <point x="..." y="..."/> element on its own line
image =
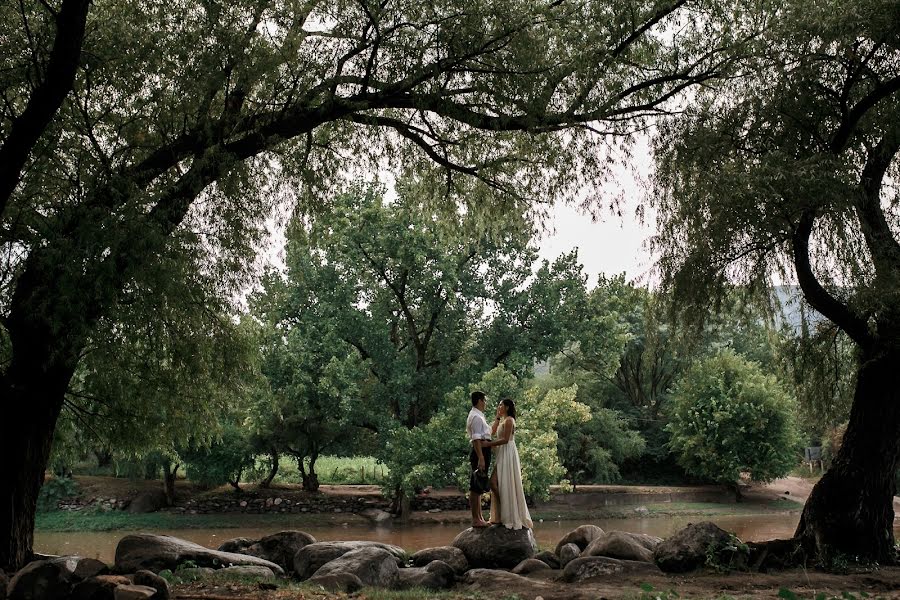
<point x="507" y="432"/>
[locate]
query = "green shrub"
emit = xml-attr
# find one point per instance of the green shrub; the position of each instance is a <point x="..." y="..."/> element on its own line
<point x="728" y="418"/>
<point x="55" y="490"/>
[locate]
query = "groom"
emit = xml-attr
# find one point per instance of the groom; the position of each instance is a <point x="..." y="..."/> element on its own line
<point x="479" y="457"/>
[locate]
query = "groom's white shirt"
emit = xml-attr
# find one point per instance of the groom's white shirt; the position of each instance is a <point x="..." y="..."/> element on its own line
<point x="476" y="426"/>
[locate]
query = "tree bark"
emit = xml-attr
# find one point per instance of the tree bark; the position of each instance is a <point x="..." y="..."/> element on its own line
<point x="36" y="389"/>
<point x="273" y="469"/>
<point x="169" y="472"/>
<point x="850" y="510"/>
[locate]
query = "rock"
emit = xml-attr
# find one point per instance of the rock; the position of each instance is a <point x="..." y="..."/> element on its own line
<point x="235" y="545"/>
<point x="151" y="579"/>
<point x="549" y="558"/>
<point x="90" y="567"/>
<point x="148" y="502"/>
<point x="530" y="565"/>
<point x="568" y="553"/>
<point x="248" y="571"/>
<point x="4" y="581"/>
<point x="374" y="566"/>
<point x="448" y="554"/>
<point x="376" y="515"/>
<point x="493" y="579"/>
<point x="339" y="582"/>
<point x="101" y="587"/>
<point x="311" y="558"/>
<point x="496" y="547"/>
<point x="134" y="592"/>
<point x="623" y="545"/>
<point x="581" y="536"/>
<point x="642" y="510"/>
<point x="690" y="548"/>
<point x="53" y="578"/>
<point x="436" y="575"/>
<point x="158" y="552"/>
<point x="594" y="566"/>
<point x="279" y="548"/>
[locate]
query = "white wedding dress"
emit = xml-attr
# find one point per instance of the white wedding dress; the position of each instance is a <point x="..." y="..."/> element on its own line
<point x="511" y="510"/>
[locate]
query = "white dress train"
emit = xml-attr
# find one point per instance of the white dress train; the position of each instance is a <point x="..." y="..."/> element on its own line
<point x="511" y="510"/>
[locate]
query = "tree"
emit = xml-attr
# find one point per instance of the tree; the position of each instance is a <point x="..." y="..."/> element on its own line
<point x="787" y="170"/>
<point x="426" y="301"/>
<point x="172" y="127"/>
<point x="310" y="376"/>
<point x="728" y="418"/>
<point x="223" y="460"/>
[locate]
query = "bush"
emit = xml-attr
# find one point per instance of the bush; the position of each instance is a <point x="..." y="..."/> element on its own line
<point x="55" y="490"/>
<point x="223" y="461"/>
<point x="728" y="418"/>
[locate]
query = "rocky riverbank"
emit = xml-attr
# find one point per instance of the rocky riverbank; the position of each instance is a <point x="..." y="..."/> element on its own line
<point x="587" y="562"/>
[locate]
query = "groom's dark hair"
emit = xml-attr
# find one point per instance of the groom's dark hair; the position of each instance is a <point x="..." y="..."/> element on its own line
<point x="477" y="397"/>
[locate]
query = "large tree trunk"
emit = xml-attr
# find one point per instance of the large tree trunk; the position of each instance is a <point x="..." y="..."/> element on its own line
<point x="273" y="469"/>
<point x="36" y="391"/>
<point x="169" y="473"/>
<point x="850" y="511"/>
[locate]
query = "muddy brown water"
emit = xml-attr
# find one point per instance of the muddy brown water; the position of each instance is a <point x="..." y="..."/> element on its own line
<point x="102" y="545"/>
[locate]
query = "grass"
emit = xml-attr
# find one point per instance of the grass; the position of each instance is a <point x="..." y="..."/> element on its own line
<point x="336" y="470"/>
<point x="86" y="520"/>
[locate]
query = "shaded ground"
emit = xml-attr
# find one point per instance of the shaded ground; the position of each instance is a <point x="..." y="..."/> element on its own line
<point x="881" y="583"/>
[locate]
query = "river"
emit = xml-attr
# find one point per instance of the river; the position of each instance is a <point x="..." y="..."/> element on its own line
<point x="102" y="545"/>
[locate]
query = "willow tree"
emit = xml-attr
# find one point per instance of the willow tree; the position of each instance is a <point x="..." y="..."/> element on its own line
<point x="791" y="170"/>
<point x="135" y="127"/>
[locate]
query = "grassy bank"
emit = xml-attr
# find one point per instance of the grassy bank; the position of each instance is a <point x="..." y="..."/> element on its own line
<point x="86" y="520"/>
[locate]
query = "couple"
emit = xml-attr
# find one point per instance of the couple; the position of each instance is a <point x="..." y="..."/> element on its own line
<point x="505" y="484"/>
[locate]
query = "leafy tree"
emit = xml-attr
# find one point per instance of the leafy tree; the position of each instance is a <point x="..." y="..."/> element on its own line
<point x="405" y="290"/>
<point x="224" y="460"/>
<point x="310" y="376"/>
<point x="142" y="141"/>
<point x="788" y="169"/>
<point x="436" y="453"/>
<point x="728" y="418"/>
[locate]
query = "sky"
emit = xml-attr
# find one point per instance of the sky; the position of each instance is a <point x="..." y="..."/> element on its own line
<point x="612" y="244"/>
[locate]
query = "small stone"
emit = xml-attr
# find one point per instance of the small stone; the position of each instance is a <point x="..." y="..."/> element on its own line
<point x="278" y="501"/>
<point x="243" y="503"/>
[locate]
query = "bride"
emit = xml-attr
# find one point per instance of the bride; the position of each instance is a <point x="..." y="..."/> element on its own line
<point x="510" y="509"/>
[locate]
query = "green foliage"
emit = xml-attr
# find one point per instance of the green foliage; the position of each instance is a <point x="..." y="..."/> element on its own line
<point x="728" y="417"/>
<point x="222" y="461"/>
<point x="730" y="555"/>
<point x="55" y="490"/>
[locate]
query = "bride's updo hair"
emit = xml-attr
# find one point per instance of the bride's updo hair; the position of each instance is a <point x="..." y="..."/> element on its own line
<point x="510" y="407"/>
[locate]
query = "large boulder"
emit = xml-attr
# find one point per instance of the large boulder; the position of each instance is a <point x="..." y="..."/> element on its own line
<point x="341" y="582"/>
<point x="279" y="548"/>
<point x="448" y="554"/>
<point x="568" y="553"/>
<point x="158" y="552"/>
<point x="696" y="545"/>
<point x="101" y="587"/>
<point x="581" y="536"/>
<point x="254" y="571"/>
<point x="436" y="575"/>
<point x="530" y="565"/>
<point x="310" y="559"/>
<point x="51" y="578"/>
<point x="134" y="592"/>
<point x="496" y="547"/>
<point x="148" y="502"/>
<point x="151" y="579"/>
<point x="623" y="545"/>
<point x="549" y="558"/>
<point x="588" y="567"/>
<point x="374" y="566"/>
